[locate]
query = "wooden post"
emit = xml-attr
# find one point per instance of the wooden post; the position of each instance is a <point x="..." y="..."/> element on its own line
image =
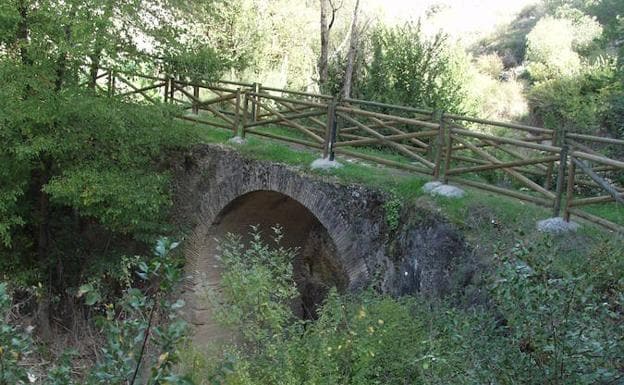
<point x="172" y="90"/>
<point x="195" y="99"/>
<point x="551" y="165"/>
<point x="439" y="144"/>
<point x="332" y="136"/>
<point x="255" y="107"/>
<point x="449" y="148"/>
<point x="560" y="180"/>
<point x="330" y="131"/>
<point x="570" y="191"/>
<point x="237" y="112"/>
<point x="241" y="131"/>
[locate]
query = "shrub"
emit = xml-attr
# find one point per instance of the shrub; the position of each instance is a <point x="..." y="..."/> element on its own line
<point x="15" y="344"/>
<point x="578" y="102"/>
<point x="498" y="100"/>
<point x="257" y="287"/>
<point x="404" y="67"/>
<point x="555" y="320"/>
<point x="553" y="45"/>
<point x="128" y="326"/>
<point x="490" y="64"/>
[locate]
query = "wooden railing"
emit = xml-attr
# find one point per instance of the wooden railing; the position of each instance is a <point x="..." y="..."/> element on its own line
<point x="553" y="168"/>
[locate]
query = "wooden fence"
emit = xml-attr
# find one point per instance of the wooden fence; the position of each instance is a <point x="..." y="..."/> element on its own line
<point x="553" y="168"/>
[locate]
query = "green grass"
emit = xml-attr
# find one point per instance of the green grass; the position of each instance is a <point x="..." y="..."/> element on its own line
<point x="613" y="211"/>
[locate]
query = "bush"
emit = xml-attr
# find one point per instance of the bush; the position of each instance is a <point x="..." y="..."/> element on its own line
<point x="553" y="45"/>
<point x="128" y="327"/>
<point x="404" y="67"/>
<point x="498" y="100"/>
<point x="490" y="64"/>
<point x="555" y="320"/>
<point x="577" y="102"/>
<point x="15" y="344"/>
<point x="549" y="50"/>
<point x="257" y="287"/>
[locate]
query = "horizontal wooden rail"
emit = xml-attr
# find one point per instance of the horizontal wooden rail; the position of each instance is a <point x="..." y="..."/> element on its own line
<point x="502" y="191"/>
<point x="389" y="106"/>
<point x="593" y="200"/>
<point x="598" y="220"/>
<point x="359" y="142"/>
<point x="414" y="122"/>
<point x="210" y="87"/>
<point x="286" y="118"/>
<point x="487" y="167"/>
<point x="141" y="90"/>
<point x="516" y="126"/>
<point x="595" y="138"/>
<point x="300" y="93"/>
<point x="287" y="100"/>
<point x="385" y="162"/>
<point x="234" y="83"/>
<point x="519" y="143"/>
<point x="285" y="138"/>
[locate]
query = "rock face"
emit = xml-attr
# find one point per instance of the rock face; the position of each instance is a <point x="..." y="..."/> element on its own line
<point x="341" y="229"/>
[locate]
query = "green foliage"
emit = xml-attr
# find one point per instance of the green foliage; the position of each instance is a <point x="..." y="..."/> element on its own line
<point x="493" y="97"/>
<point x="409" y="69"/>
<point x="90" y="158"/>
<point x="14" y="345"/>
<point x="202" y="63"/>
<point x="577" y="102"/>
<point x="490" y="64"/>
<point x="392" y="208"/>
<point x="129" y="326"/>
<point x="568" y="325"/>
<point x="257" y="285"/>
<point x="554" y="317"/>
<point x="121" y="200"/>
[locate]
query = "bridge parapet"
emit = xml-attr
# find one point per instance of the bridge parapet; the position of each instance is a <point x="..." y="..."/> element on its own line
<point x="561" y="169"/>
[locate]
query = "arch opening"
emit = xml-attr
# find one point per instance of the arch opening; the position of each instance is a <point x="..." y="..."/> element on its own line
<point x="316" y="266"/>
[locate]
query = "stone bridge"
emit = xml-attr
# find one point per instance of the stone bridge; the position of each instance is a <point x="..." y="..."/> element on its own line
<point x="341" y="230"/>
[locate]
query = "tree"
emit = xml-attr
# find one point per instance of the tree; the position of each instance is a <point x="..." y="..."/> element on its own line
<point x="553" y="45"/>
<point x="404" y="67"/>
<point x="353" y="46"/>
<point x="323" y="63"/>
<point x="70" y="157"/>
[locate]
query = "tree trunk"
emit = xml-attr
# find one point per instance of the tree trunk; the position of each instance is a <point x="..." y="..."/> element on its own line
<point x="351" y="55"/>
<point x="61" y="69"/>
<point x="43" y="249"/>
<point x="22" y="33"/>
<point x="323" y="67"/>
<point x="93" y="69"/>
<point x="98" y="47"/>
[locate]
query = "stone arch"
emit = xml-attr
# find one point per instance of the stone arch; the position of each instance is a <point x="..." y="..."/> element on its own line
<point x="320" y="206"/>
<point x="317" y="227"/>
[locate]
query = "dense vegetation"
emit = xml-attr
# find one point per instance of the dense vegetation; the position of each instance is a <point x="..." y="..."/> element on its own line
<point x="556" y="322"/>
<point x="85" y="191"/>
